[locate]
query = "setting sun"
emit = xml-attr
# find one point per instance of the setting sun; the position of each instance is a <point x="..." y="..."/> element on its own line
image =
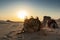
<point x="22" y="14"/>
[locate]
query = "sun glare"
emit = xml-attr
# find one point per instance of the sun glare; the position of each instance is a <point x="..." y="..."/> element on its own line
<point x="22" y="14"/>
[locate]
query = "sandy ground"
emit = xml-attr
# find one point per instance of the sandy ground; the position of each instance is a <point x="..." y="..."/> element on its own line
<point x="11" y="31"/>
<point x="7" y="28"/>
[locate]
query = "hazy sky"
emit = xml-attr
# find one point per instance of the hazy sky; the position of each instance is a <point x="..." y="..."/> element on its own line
<point x="40" y="8"/>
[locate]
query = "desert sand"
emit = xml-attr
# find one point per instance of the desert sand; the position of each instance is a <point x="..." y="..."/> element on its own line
<point x="12" y="31"/>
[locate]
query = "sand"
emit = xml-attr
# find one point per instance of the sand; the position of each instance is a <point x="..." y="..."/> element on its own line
<point x="12" y="31"/>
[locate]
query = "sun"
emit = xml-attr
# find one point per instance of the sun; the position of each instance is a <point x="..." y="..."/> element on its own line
<point x="22" y="14"/>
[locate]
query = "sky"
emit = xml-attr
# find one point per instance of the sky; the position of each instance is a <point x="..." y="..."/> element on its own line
<point x="10" y="8"/>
